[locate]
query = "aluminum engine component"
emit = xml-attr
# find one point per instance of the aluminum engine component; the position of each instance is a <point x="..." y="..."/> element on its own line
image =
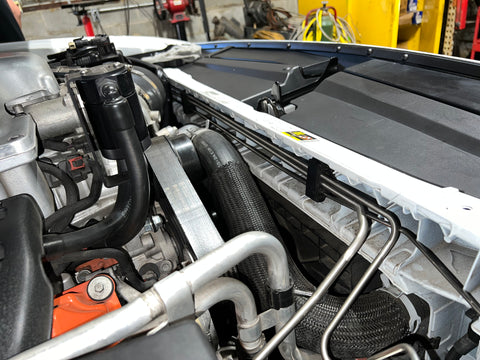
<point x="55" y="117"/>
<point x="19" y="172"/>
<point x="198" y="228"/>
<point x="154" y="253"/>
<point x="26" y="79"/>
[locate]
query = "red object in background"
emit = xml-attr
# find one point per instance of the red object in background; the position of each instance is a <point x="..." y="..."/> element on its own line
<point x="461" y="14"/>
<point x="75" y="307"/>
<point x="476" y="36"/>
<point x="87" y="25"/>
<point x="178" y="17"/>
<point x="176" y="6"/>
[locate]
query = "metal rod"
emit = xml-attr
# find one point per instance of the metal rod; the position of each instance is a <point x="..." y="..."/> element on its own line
<point x="396" y="350"/>
<point x="203" y="10"/>
<point x="283" y="154"/>
<point x="391" y="241"/>
<point x="258" y="152"/>
<point x="122" y="8"/>
<point x="323" y="287"/>
<point x="49" y="5"/>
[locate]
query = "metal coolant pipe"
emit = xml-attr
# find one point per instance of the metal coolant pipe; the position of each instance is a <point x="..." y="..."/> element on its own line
<point x="222" y="259"/>
<point x="166" y="297"/>
<point x="248" y="322"/>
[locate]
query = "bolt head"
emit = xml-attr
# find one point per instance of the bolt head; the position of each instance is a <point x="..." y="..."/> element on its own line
<point x="100" y="288"/>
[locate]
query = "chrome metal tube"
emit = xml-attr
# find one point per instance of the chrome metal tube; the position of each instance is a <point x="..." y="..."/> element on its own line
<point x="322" y="288"/>
<point x="123" y="8"/>
<point x="227" y="289"/>
<point x="391" y="241"/>
<point x="100" y="332"/>
<point x="396" y="350"/>
<point x="222" y="259"/>
<point x="248" y="323"/>
<point x="177" y="289"/>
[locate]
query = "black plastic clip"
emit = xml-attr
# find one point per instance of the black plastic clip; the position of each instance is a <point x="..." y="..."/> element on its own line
<point x="188" y="107"/>
<point x="280" y="299"/>
<point x="314" y="189"/>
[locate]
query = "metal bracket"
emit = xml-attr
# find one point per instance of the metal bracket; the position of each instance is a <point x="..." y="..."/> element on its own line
<point x="198" y="230"/>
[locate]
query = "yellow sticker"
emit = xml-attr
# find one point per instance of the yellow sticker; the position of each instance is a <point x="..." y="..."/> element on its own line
<point x="298" y="135"/>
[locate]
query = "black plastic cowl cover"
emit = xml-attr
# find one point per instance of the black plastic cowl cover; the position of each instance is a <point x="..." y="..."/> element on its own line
<point x="26" y="295"/>
<point x="180" y="341"/>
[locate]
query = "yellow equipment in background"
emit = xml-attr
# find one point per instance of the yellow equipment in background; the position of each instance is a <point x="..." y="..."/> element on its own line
<point x="322" y="24"/>
<point x="268" y="35"/>
<point x="376" y="22"/>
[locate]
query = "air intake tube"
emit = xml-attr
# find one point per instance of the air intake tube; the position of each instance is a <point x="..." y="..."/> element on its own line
<point x="120" y="131"/>
<point x="375" y="321"/>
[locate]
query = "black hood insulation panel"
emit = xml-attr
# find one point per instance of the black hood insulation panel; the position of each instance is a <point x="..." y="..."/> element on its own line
<point x="392" y="112"/>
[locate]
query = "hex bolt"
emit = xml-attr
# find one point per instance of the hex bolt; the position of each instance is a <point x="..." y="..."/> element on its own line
<point x="166" y="266"/>
<point x="100" y="288"/>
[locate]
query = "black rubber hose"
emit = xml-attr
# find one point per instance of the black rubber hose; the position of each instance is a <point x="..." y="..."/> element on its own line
<point x="123" y="259"/>
<point x="128" y="215"/>
<point x="375" y="321"/>
<point x="56" y="221"/>
<point x="71" y="191"/>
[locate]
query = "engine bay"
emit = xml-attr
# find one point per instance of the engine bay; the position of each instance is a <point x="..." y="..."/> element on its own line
<point x="244" y="200"/>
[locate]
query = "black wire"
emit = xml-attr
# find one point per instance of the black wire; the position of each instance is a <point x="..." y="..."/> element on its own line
<point x="59" y="220"/>
<point x="71" y="193"/>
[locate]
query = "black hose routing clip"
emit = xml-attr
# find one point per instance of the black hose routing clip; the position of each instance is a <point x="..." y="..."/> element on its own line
<point x="280" y="299"/>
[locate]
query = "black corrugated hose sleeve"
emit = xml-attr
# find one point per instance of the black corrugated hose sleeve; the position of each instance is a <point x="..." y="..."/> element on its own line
<point x="128" y="215"/>
<point x="375" y="321"/>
